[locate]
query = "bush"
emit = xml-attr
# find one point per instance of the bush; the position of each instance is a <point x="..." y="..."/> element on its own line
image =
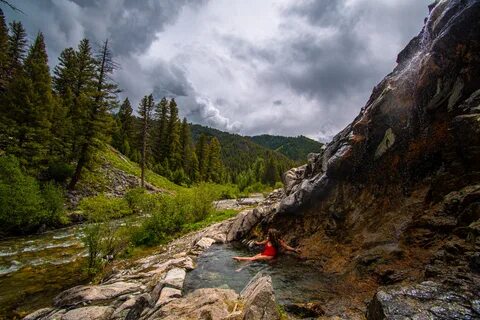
<point x="169" y="215"/>
<point x="102" y="208"/>
<point x="104" y="240"/>
<point x="53" y="203"/>
<point x="139" y="200"/>
<point x="24" y="206"/>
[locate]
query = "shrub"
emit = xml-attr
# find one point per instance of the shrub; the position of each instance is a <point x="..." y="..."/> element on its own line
<point x="104" y="240"/>
<point x="24" y="206"/>
<point x="102" y="208"/>
<point x="53" y="204"/>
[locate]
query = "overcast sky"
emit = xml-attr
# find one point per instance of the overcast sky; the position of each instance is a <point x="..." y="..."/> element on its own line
<point x="286" y="67"/>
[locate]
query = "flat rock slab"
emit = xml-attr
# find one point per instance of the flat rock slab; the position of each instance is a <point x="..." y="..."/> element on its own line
<point x="88" y="313"/>
<point x="175" y="278"/>
<point x="205" y="243"/>
<point x="87" y="294"/>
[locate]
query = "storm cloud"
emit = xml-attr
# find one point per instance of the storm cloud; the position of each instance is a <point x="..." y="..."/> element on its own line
<point x="281" y="67"/>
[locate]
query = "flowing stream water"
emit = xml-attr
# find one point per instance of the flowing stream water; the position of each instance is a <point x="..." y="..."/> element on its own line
<point x="33" y="269"/>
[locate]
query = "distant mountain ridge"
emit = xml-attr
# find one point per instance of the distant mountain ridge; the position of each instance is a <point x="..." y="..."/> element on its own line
<point x="295" y="148"/>
<point x="239" y="152"/>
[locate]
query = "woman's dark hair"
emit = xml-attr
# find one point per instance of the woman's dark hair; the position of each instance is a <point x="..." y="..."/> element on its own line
<point x="274" y="238"/>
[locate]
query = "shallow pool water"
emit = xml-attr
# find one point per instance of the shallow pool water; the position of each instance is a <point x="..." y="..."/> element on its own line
<point x="294" y="280"/>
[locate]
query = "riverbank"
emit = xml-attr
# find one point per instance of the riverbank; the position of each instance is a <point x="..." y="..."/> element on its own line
<point x="146" y="286"/>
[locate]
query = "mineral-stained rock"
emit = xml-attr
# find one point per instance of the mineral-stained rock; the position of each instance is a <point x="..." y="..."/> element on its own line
<point x="89" y="294"/>
<point x="293" y="177"/>
<point x="209" y="303"/>
<point x="88" y="313"/>
<point x="259" y="299"/>
<point x="427" y="300"/>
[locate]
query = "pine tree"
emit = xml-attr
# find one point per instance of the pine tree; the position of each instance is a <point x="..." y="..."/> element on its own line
<point x="145" y="111"/>
<point x="3" y="52"/>
<point x="215" y="166"/>
<point x="173" y="130"/>
<point x="161" y="143"/>
<point x="271" y="171"/>
<point x="97" y="120"/>
<point x="65" y="72"/>
<point x="74" y="82"/>
<point x="34" y="110"/>
<point x="202" y="151"/>
<point x="17" y="42"/>
<point x="126" y="130"/>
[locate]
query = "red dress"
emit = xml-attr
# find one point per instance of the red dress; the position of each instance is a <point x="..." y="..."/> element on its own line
<point x="269" y="250"/>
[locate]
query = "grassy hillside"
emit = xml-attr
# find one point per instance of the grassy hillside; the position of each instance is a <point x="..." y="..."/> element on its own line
<point x="238" y="152"/>
<point x="295" y="148"/>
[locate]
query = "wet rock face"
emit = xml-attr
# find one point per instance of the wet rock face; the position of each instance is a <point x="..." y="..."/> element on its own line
<point x="427" y="300"/>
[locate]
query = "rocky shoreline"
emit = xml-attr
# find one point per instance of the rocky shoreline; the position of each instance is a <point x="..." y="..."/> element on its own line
<point x="151" y="287"/>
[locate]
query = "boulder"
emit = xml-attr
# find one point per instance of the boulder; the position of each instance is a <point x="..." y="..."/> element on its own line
<point x="209" y="303"/>
<point x="87" y="294"/>
<point x="175" y="278"/>
<point x="88" y="313"/>
<point x="259" y="299"/>
<point x="246" y="220"/>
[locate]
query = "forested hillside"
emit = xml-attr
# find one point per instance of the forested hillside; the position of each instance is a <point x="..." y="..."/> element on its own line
<point x="295" y="148"/>
<point x="55" y="125"/>
<point x="244" y="157"/>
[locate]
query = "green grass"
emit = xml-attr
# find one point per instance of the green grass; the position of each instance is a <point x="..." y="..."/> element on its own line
<point x="214" y="217"/>
<point x="121" y="162"/>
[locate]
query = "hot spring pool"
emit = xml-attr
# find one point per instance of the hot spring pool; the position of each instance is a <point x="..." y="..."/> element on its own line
<point x="294" y="280"/>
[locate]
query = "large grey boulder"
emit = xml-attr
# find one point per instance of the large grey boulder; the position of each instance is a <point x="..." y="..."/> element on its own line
<point x="259" y="299"/>
<point x="87" y="294"/>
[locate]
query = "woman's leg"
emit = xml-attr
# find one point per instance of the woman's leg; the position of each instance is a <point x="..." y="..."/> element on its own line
<point x="255" y="257"/>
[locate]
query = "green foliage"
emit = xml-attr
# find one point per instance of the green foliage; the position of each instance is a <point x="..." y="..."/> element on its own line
<point x="24" y="206"/>
<point x="104" y="240"/>
<point x="59" y="171"/>
<point x="101" y="208"/>
<point x="168" y="215"/>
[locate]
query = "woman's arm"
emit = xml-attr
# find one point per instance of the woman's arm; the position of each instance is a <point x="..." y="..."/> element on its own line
<point x="288" y="248"/>
<point x="261" y="242"/>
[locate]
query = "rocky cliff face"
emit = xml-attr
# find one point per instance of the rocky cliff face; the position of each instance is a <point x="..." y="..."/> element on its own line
<point x="395" y="197"/>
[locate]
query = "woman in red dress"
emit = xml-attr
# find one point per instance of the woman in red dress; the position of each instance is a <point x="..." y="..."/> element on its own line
<point x="273" y="244"/>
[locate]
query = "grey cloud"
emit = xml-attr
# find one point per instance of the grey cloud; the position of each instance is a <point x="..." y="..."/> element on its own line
<point x="311" y="76"/>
